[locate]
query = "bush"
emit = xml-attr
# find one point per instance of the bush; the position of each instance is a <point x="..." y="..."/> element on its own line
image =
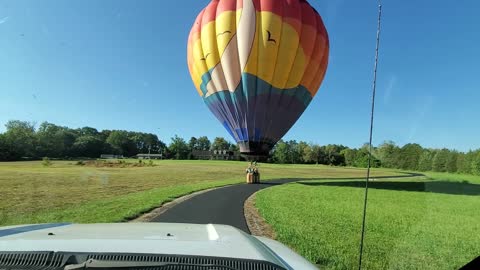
<point x="99" y="163"/>
<point x="476" y="164"/>
<point x="150" y="163"/>
<point x="46" y="162"/>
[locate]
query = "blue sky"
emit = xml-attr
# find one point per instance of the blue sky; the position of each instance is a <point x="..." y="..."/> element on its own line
<point x="118" y="64"/>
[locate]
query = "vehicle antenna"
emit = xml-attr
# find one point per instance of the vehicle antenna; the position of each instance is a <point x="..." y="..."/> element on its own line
<point x="374" y="88"/>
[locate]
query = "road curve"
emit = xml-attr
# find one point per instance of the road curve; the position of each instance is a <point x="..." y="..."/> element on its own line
<point x="219" y="206"/>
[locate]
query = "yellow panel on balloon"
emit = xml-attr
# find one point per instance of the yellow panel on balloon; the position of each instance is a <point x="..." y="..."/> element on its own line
<point x="288" y="44"/>
<point x="208" y="37"/>
<point x="197" y="55"/>
<point x="271" y="29"/>
<point x="226" y="27"/>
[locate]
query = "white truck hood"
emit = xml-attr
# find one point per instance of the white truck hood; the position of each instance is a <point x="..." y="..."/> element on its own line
<point x="151" y="238"/>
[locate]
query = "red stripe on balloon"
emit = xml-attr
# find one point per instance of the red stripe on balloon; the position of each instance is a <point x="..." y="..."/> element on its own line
<point x="210" y="12"/>
<point x="297" y="13"/>
<point x="229" y="5"/>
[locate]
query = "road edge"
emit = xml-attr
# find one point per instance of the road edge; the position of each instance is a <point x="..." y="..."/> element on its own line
<point x="256" y="224"/>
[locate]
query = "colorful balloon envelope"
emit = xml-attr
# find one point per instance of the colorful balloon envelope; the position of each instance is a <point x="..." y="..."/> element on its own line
<point x="257" y="64"/>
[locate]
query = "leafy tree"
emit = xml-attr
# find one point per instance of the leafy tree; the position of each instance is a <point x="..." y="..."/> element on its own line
<point x="51" y="140"/>
<point x="156" y="145"/>
<point x="145" y="143"/>
<point x="203" y="143"/>
<point x="138" y="139"/>
<point x="193" y="144"/>
<point x="461" y="162"/>
<point x="475" y="164"/>
<point x="361" y="158"/>
<point x="234" y="147"/>
<point x="333" y="156"/>
<point x="467" y="161"/>
<point x="69" y="137"/>
<point x="293" y="152"/>
<point x="410" y="156"/>
<point x="350" y="156"/>
<point x="178" y="148"/>
<point x="104" y="134"/>
<point x="289" y="152"/>
<point x="451" y="165"/>
<point x="320" y="155"/>
<point x="121" y="143"/>
<point x="281" y="152"/>
<point x="87" y="131"/>
<point x="6" y="150"/>
<point x="388" y="153"/>
<point x="314" y="153"/>
<point x="20" y="137"/>
<point x="426" y="160"/>
<point x="308" y="156"/>
<point x="88" y="146"/>
<point x="302" y="148"/>
<point x="439" y="163"/>
<point x="219" y="143"/>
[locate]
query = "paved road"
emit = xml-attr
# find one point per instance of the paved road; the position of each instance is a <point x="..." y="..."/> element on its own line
<point x="219" y="206"/>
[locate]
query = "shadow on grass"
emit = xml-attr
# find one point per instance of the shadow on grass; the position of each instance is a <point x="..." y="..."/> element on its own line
<point x="443" y="187"/>
<point x="275" y="182"/>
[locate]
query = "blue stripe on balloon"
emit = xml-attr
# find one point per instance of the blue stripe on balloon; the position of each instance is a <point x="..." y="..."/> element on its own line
<point x="242" y="134"/>
<point x="207" y="77"/>
<point x="262" y="88"/>
<point x="260" y="114"/>
<point x="257" y="134"/>
<point x="227" y="127"/>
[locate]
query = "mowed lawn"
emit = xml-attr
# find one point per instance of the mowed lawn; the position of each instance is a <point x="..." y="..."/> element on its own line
<point x="32" y="193"/>
<point x="430" y="222"/>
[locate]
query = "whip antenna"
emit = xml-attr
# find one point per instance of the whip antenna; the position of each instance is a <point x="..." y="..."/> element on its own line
<point x="374" y="88"/>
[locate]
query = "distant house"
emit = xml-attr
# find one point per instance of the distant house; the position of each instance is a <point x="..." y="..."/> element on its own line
<point x="202" y="154"/>
<point x="216" y="154"/>
<point x="110" y="156"/>
<point x="149" y="156"/>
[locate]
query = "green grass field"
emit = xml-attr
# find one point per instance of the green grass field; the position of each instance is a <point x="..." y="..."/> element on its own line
<point x="32" y="193"/>
<point x="430" y="222"/>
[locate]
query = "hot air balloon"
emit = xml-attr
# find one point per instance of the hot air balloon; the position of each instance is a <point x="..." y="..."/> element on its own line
<point x="257" y="64"/>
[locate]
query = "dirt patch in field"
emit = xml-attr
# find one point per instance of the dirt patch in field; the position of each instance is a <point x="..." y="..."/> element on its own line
<point x="255" y="222"/>
<point x="115" y="164"/>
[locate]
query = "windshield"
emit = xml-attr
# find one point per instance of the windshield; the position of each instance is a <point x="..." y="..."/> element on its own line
<point x="255" y="114"/>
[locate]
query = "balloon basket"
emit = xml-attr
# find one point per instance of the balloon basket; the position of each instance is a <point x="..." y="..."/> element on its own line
<point x="253" y="178"/>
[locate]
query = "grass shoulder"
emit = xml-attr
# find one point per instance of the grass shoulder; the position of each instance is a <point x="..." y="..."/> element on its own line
<point x="412" y="223"/>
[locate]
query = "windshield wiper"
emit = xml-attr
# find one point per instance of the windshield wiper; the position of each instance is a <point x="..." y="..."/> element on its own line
<point x="100" y="264"/>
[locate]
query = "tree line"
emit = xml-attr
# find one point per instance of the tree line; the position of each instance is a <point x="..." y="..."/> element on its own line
<point x="22" y="140"/>
<point x="411" y="156"/>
